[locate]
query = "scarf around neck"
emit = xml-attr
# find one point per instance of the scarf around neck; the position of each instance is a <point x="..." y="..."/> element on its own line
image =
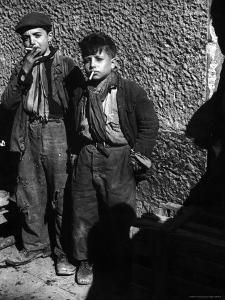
<point x="36" y="102"/>
<point x="95" y="97"/>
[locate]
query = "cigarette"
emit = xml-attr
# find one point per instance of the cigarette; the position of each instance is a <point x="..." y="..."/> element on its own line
<point x="92" y="74"/>
<point x="28" y="48"/>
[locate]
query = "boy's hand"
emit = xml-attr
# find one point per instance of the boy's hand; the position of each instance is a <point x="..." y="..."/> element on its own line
<point x="30" y="59"/>
<point x="135" y="165"/>
<point x="71" y="162"/>
<point x="73" y="158"/>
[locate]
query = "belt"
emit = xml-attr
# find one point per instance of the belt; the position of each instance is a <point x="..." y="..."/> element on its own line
<point x="54" y="120"/>
<point x="43" y="120"/>
<point x="103" y="147"/>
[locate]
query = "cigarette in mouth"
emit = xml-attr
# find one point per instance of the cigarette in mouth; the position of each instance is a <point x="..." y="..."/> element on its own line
<point x="28" y="48"/>
<point x="92" y="74"/>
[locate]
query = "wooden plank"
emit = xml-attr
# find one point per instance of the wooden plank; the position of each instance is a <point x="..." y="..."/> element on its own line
<point x="204" y="229"/>
<point x="198" y="237"/>
<point x="4" y="198"/>
<point x="149" y="223"/>
<point x="182" y="245"/>
<point x="2" y="217"/>
<point x="181" y="218"/>
<point x="143" y="276"/>
<point x="211" y="219"/>
<point x="183" y="287"/>
<point x="197" y="265"/>
<point x="191" y="251"/>
<point x="6" y="242"/>
<point x="9" y="215"/>
<point x="171" y="208"/>
<point x="3" y="211"/>
<point x="140" y="292"/>
<point x="160" y="261"/>
<point x="143" y="258"/>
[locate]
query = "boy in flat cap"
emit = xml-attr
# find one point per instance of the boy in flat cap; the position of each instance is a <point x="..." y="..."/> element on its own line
<point x="116" y="126"/>
<point x="39" y="92"/>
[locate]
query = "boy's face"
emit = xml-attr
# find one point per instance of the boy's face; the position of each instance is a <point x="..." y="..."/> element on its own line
<point x="37" y="38"/>
<point x="100" y="63"/>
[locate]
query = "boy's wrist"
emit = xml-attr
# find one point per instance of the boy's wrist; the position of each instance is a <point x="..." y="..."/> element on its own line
<point x="137" y="167"/>
<point x="24" y="78"/>
<point x="23" y="74"/>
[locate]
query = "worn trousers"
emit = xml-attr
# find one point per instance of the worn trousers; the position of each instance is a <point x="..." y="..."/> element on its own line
<point x="99" y="183"/>
<point x="42" y="177"/>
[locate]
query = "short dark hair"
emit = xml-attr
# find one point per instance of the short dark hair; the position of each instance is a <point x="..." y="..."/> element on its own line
<point x="97" y="41"/>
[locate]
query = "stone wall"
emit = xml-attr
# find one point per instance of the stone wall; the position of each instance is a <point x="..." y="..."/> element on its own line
<point x="161" y="45"/>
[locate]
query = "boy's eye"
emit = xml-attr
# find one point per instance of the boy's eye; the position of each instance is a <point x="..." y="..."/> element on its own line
<point x="86" y="60"/>
<point x="37" y="35"/>
<point x="98" y="58"/>
<point x="24" y="38"/>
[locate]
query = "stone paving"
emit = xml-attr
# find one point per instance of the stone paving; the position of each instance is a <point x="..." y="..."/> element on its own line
<point x="38" y="281"/>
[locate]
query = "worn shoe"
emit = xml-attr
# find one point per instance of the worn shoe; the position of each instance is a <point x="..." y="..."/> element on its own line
<point x="46" y="252"/>
<point x="84" y="275"/>
<point x="64" y="267"/>
<point x="23" y="257"/>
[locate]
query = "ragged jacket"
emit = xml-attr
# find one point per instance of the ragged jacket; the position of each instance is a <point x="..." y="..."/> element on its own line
<point x="138" y="119"/>
<point x="64" y="75"/>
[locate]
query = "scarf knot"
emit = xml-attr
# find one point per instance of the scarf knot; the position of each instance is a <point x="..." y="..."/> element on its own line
<point x="36" y="102"/>
<point x="95" y="97"/>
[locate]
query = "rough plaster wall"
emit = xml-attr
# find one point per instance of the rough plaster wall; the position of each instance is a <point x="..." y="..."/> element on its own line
<point x="215" y="46"/>
<point x="215" y="61"/>
<point x="162" y="45"/>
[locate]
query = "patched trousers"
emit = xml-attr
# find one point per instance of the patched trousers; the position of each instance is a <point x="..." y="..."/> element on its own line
<point x="99" y="183"/>
<point x="41" y="184"/>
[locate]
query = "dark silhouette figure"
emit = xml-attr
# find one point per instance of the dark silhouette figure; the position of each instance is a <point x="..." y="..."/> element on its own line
<point x="207" y="128"/>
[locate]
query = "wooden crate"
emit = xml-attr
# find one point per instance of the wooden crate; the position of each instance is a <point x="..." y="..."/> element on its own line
<point x="196" y="254"/>
<point x="4" y="201"/>
<point x="146" y="271"/>
<point x="182" y="256"/>
<point x="8" y="220"/>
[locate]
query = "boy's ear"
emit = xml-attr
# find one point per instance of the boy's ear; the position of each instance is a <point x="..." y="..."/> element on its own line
<point x="114" y="63"/>
<point x="50" y="36"/>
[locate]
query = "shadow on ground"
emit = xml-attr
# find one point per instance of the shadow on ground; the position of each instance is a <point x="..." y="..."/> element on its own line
<point x="110" y="251"/>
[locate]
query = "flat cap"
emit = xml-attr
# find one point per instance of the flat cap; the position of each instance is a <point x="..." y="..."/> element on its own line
<point x="32" y="20"/>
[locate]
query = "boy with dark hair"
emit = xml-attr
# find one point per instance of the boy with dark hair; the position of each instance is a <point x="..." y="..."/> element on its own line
<point x="117" y="128"/>
<point x="39" y="91"/>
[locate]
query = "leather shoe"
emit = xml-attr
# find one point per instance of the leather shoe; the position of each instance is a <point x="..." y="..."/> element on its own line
<point x="46" y="252"/>
<point x="64" y="267"/>
<point x="23" y="257"/>
<point x="84" y="275"/>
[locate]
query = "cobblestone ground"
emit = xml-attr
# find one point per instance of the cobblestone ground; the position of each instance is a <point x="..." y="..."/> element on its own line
<point x="38" y="281"/>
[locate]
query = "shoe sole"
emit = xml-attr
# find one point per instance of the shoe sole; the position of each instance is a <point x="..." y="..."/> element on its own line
<point x="83" y="283"/>
<point x="65" y="273"/>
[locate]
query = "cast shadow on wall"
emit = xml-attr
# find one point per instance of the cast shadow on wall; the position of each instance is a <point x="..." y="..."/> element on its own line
<point x="207" y="128"/>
